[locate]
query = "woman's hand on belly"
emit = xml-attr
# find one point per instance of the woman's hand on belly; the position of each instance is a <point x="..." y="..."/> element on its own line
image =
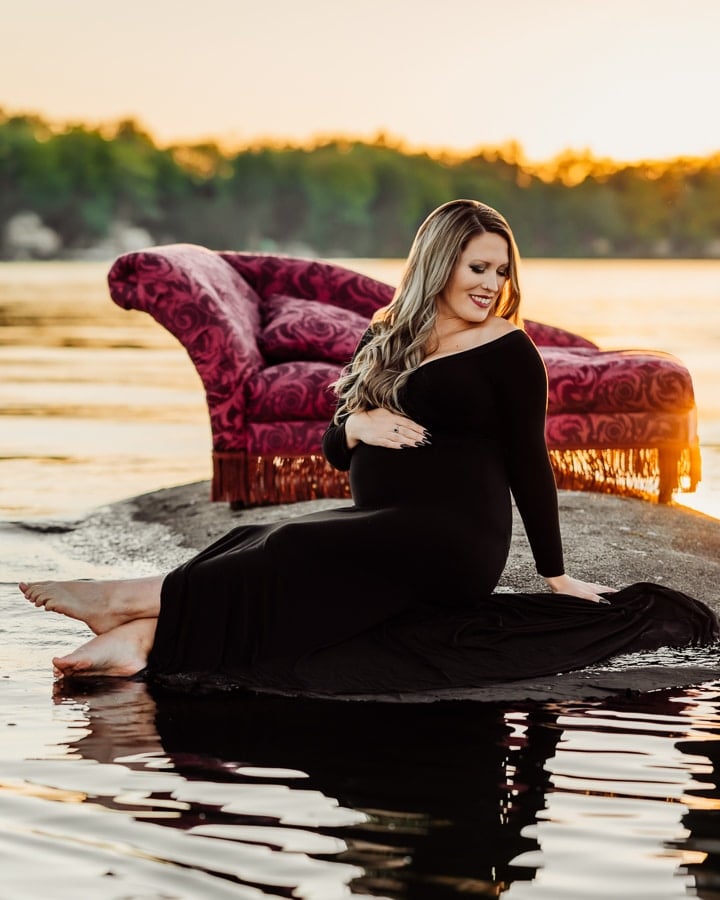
<point x="384" y="428"/>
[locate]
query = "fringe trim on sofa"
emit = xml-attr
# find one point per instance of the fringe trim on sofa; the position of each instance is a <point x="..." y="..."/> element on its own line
<point x="229" y="481"/>
<point x="633" y="472"/>
<point x="266" y="480"/>
<point x="289" y="479"/>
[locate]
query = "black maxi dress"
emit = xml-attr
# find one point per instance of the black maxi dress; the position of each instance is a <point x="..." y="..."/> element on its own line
<point x="395" y="593"/>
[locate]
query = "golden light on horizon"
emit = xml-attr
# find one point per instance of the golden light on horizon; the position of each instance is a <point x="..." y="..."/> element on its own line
<point x="624" y="82"/>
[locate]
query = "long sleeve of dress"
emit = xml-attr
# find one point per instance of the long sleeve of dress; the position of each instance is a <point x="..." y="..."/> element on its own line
<point x="522" y="390"/>
<point x="334" y="441"/>
<point x="335" y="448"/>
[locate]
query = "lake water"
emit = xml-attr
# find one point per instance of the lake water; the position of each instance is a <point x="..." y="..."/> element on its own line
<point x="112" y="792"/>
<point x="116" y="791"/>
<point x="98" y="403"/>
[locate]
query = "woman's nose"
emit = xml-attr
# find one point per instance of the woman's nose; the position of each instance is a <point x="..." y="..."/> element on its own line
<point x="489" y="281"/>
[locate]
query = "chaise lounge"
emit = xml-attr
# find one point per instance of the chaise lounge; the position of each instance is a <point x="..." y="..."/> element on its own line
<point x="269" y="333"/>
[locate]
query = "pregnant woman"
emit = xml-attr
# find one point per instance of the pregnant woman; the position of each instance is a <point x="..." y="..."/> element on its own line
<point x="440" y="418"/>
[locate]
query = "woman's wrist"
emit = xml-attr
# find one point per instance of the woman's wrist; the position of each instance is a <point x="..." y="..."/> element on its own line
<point x="556" y="583"/>
<point x="351" y="438"/>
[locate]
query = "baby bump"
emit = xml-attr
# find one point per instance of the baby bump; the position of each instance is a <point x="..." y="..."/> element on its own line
<point x="449" y="515"/>
<point x="452" y="472"/>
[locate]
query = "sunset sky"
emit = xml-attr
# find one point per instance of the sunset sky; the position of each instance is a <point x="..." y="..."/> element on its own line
<point x="629" y="79"/>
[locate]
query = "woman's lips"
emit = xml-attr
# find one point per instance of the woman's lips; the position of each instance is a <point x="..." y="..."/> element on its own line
<point x="482" y="302"/>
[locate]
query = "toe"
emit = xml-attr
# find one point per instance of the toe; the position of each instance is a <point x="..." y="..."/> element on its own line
<point x="41" y="598"/>
<point x="67" y="666"/>
<point x="63" y="665"/>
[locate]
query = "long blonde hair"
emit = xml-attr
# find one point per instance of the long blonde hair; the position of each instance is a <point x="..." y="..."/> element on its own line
<point x="403" y="332"/>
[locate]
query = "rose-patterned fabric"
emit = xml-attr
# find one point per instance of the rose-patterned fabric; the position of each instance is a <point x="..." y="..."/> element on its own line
<point x="268" y="334"/>
<point x="274" y="438"/>
<point x="615" y="381"/>
<point x="268" y="274"/>
<point x="209" y="308"/>
<point x="307" y="329"/>
<point x="292" y="390"/>
<point x="297" y="437"/>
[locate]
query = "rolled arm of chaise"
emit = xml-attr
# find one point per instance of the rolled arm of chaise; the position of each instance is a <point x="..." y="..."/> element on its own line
<point x="211" y="310"/>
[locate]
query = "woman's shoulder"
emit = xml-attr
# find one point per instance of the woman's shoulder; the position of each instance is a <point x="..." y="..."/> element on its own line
<point x="503" y="326"/>
<point x="491" y="331"/>
<point x="514" y="354"/>
<point x="521" y="342"/>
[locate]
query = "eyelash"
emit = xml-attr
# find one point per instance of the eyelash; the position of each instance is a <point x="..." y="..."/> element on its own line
<point x="478" y="270"/>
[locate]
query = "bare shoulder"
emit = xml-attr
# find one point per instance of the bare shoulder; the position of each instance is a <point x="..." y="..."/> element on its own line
<point x="503" y="326"/>
<point x="496" y="328"/>
<point x="490" y="330"/>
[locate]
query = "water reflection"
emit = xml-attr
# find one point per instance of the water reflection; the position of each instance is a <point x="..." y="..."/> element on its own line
<point x="700" y="845"/>
<point x="397" y="801"/>
<point x="245" y="795"/>
<point x="626" y="782"/>
<point x="391" y="800"/>
<point x="445" y="792"/>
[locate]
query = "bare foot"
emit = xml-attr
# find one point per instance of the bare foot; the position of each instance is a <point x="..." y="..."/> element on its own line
<point x="102" y="605"/>
<point x="119" y="653"/>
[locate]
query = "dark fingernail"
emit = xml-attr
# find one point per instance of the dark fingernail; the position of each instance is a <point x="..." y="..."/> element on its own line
<point x="405" y="446"/>
<point x="604" y="601"/>
<point x="426" y="442"/>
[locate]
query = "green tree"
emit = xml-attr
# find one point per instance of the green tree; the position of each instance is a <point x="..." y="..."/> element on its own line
<point x="350" y="197"/>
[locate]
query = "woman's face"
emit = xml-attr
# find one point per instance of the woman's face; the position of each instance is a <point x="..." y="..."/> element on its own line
<point x="477" y="280"/>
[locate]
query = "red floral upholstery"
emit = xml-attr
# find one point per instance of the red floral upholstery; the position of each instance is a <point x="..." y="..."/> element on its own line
<point x="615" y="381"/>
<point x="269" y="333"/>
<point x="292" y="390"/>
<point x="306" y="329"/>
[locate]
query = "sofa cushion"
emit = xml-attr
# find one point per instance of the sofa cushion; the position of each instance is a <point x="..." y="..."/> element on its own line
<point x="616" y="381"/>
<point x="292" y="391"/>
<point x="307" y="329"/>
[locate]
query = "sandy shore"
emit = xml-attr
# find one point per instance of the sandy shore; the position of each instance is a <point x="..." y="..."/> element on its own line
<point x="612" y="540"/>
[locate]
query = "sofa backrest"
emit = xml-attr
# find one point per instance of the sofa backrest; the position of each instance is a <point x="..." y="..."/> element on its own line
<point x="544" y="335"/>
<point x="271" y="274"/>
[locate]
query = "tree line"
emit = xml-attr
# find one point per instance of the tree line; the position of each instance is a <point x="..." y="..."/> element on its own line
<point x="337" y="197"/>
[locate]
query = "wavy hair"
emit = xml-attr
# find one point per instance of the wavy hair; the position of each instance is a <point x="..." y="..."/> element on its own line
<point x="403" y="332"/>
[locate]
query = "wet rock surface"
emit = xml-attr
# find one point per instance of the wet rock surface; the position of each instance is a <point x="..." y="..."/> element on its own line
<point x="608" y="539"/>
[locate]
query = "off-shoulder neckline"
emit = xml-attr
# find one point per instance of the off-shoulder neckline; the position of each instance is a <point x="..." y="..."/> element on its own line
<point x="469" y="349"/>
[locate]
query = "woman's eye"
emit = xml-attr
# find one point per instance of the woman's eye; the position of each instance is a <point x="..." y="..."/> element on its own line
<point x="478" y="270"/>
